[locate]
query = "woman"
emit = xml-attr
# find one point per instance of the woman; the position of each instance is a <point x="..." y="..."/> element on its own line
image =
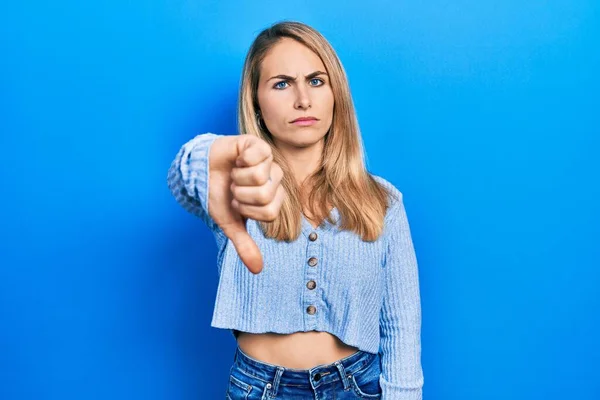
<point x="318" y="275"/>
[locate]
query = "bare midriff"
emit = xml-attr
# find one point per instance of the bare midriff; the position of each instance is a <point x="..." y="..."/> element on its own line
<point x="298" y="350"/>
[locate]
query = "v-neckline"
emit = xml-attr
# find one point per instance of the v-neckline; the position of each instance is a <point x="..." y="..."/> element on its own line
<point x="307" y="226"/>
<point x="311" y="223"/>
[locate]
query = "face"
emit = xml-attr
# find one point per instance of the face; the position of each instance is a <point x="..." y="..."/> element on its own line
<point x="294" y="84"/>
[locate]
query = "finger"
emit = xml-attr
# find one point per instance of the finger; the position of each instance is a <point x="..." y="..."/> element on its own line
<point x="268" y="212"/>
<point x="254" y="195"/>
<point x="252" y="151"/>
<point x="258" y="195"/>
<point x="252" y="176"/>
<point x="245" y="246"/>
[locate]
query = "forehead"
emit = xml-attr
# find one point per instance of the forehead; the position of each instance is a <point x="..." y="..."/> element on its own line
<point x="290" y="57"/>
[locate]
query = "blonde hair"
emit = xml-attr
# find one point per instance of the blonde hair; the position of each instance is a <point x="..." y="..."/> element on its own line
<point x="341" y="179"/>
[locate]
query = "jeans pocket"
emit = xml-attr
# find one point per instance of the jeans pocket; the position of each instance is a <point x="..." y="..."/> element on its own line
<point x="365" y="382"/>
<point x="243" y="386"/>
<point x="237" y="389"/>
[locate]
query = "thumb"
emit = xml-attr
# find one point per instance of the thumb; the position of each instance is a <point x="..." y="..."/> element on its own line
<point x="245" y="246"/>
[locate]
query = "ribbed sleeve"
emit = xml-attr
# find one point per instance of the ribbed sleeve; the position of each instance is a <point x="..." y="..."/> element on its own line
<point x="188" y="179"/>
<point x="400" y="320"/>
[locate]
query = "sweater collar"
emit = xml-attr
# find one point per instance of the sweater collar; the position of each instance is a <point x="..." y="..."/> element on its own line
<point x="325" y="226"/>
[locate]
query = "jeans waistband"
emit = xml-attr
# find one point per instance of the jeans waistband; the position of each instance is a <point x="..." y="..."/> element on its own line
<point x="316" y="376"/>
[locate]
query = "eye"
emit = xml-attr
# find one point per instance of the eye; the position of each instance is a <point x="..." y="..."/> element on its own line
<point x="318" y="80"/>
<point x="278" y="85"/>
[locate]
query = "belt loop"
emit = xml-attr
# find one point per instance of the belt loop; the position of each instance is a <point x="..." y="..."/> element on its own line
<point x="342" y="370"/>
<point x="276" y="379"/>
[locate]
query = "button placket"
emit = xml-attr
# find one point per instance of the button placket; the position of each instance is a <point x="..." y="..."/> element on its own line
<point x="311" y="282"/>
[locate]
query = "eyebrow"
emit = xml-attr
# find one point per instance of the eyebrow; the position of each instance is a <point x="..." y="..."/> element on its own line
<point x="309" y="76"/>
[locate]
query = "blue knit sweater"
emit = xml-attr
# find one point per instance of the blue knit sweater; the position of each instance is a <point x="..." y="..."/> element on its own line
<point x="366" y="293"/>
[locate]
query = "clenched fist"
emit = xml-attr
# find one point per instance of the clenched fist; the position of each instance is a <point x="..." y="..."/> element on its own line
<point x="244" y="183"/>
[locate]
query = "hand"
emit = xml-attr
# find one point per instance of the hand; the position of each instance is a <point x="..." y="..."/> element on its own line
<point x="244" y="183"/>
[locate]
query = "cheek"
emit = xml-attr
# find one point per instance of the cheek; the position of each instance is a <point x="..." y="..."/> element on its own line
<point x="326" y="97"/>
<point x="327" y="101"/>
<point x="273" y="107"/>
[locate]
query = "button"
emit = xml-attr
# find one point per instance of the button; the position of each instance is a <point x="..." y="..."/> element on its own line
<point x="312" y="261"/>
<point x="311" y="284"/>
<point x="317" y="376"/>
<point x="311" y="310"/>
<point x="313" y="236"/>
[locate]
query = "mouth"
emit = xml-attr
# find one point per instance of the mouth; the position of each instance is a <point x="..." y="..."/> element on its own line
<point x="305" y="121"/>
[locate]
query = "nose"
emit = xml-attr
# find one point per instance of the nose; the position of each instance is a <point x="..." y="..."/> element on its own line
<point x="302" y="98"/>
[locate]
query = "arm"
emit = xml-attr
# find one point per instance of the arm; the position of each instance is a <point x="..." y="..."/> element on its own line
<point x="188" y="179"/>
<point x="400" y="319"/>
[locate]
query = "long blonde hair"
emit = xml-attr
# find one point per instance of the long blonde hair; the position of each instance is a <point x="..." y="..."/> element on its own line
<point x="342" y="178"/>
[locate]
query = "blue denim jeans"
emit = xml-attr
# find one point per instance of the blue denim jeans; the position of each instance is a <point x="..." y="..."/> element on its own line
<point x="352" y="377"/>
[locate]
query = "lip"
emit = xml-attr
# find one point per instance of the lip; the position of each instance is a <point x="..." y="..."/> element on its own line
<point x="305" y="121"/>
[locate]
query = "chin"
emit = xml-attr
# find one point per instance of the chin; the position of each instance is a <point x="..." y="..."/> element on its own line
<point x="304" y="136"/>
<point x="304" y="141"/>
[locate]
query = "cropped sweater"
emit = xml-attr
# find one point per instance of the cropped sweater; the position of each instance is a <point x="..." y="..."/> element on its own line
<point x="365" y="293"/>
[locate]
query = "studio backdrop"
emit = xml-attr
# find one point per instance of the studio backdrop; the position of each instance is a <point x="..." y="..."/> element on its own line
<point x="484" y="114"/>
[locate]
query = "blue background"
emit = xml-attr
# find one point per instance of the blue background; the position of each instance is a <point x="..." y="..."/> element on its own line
<point x="485" y="114"/>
